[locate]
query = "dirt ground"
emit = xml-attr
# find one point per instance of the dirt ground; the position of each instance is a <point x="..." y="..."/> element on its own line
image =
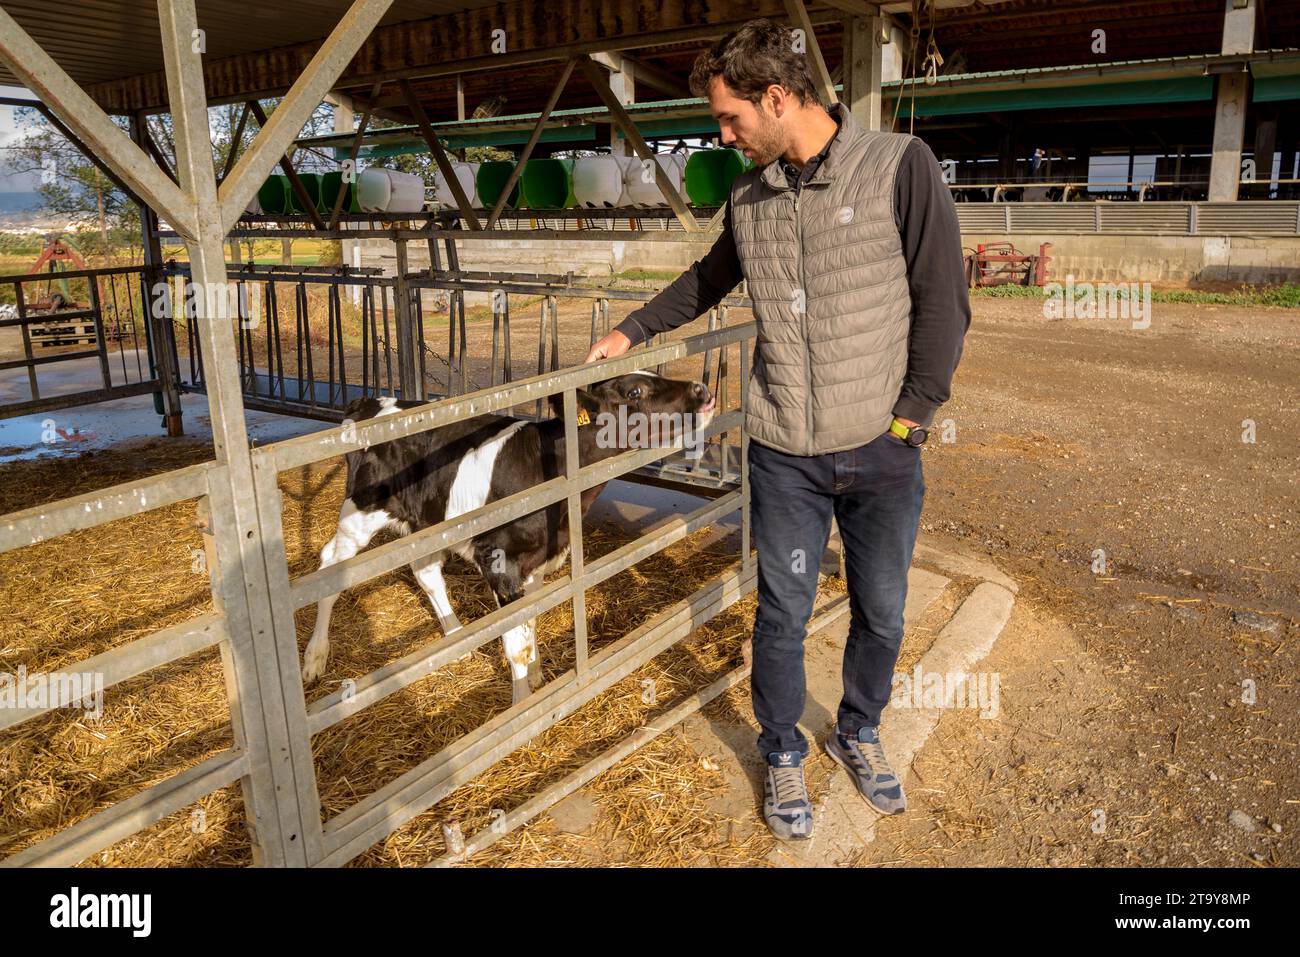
<point x="1123" y="737"/>
<point x="1122" y="687"/>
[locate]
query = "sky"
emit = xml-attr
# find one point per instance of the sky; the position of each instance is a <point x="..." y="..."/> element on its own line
<point x="13" y="183"/>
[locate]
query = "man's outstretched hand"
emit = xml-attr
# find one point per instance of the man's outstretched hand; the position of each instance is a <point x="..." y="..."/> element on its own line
<point x="614" y="344"/>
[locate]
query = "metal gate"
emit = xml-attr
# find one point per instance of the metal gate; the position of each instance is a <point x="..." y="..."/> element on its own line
<point x="105" y="310"/>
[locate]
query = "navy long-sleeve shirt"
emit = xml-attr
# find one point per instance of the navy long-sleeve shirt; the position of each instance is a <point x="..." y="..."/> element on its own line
<point x="927" y="224"/>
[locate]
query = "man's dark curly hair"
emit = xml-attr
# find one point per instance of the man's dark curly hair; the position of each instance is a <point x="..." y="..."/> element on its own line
<point x="751" y="59"/>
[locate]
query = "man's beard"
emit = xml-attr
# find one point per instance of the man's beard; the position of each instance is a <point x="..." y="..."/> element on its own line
<point x="769" y="143"/>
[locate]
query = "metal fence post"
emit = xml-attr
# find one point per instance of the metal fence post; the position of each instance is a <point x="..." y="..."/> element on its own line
<point x="408" y="342"/>
<point x="280" y="771"/>
<point x="160" y="334"/>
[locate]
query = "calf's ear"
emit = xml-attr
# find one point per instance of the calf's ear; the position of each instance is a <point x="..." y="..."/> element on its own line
<point x="585" y="401"/>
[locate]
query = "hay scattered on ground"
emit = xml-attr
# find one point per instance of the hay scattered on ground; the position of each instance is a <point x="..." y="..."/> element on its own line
<point x="78" y="595"/>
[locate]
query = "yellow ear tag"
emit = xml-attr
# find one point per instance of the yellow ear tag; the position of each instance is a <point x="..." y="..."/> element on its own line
<point x="583" y="417"/>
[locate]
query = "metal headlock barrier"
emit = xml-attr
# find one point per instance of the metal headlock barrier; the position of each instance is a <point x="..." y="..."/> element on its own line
<point x="281" y="315"/>
<point x="296" y="356"/>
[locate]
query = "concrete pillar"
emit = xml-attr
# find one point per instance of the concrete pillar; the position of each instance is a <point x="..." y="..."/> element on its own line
<point x="622" y="82"/>
<point x="460" y="110"/>
<point x="345" y="122"/>
<point x="862" y="76"/>
<point x="893" y="54"/>
<point x="1230" y="102"/>
<point x="1239" y="26"/>
<point x="1229" y="133"/>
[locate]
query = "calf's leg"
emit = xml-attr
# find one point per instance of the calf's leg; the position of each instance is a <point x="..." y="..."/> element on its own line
<point x="356" y="529"/>
<point x="519" y="643"/>
<point x="428" y="572"/>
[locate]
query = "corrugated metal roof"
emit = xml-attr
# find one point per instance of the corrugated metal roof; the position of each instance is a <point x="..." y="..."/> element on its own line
<point x="99" y="40"/>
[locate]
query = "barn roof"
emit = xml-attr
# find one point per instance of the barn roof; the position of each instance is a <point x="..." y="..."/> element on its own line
<point x="259" y="49"/>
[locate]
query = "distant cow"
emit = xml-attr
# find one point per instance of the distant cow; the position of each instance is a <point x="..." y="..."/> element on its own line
<point x="420" y="480"/>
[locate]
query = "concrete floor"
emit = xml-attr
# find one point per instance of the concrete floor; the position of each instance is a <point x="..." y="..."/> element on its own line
<point x="76" y="430"/>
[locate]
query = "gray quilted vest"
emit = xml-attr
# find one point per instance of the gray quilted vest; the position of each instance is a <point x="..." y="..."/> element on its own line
<point x="825" y="270"/>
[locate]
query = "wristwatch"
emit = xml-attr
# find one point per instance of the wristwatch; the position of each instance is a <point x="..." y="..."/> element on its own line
<point x="913" y="436"/>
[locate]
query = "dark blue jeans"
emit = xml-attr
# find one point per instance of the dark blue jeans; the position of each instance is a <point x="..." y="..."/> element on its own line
<point x="875" y="493"/>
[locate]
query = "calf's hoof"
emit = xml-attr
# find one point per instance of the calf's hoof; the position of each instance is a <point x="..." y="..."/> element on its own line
<point x="313" y="664"/>
<point x="535" y="679"/>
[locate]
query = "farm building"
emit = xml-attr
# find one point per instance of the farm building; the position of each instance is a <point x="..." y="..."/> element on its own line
<point x="1155" y="140"/>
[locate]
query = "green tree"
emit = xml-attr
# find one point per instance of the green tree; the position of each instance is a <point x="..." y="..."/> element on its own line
<point x="72" y="186"/>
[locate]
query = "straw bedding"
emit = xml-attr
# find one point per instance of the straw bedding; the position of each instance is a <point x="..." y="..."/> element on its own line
<point x="81" y="594"/>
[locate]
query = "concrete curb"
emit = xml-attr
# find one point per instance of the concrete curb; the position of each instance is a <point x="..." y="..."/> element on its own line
<point x="963" y="566"/>
<point x="843" y="821"/>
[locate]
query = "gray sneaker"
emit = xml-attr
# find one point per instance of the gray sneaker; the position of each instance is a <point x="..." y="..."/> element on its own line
<point x="865" y="760"/>
<point x="786" y="807"/>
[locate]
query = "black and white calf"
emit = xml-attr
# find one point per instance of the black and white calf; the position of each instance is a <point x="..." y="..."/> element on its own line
<point x="420" y="480"/>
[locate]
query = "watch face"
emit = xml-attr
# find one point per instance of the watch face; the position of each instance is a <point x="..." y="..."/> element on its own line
<point x="917" y="436"/>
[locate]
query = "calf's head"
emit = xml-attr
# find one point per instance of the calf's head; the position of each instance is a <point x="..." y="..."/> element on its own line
<point x="643" y="410"/>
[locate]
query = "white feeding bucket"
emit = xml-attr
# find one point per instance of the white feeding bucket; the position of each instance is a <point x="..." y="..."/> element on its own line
<point x="600" y="182"/>
<point x="642" y="188"/>
<point x="466" y="174"/>
<point x="388" y="191"/>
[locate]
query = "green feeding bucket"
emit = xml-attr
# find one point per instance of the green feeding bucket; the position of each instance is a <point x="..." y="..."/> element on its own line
<point x="709" y="174"/>
<point x="275" y="194"/>
<point x="330" y="184"/>
<point x="547" y="184"/>
<point x="312" y="184"/>
<point x="491" y="180"/>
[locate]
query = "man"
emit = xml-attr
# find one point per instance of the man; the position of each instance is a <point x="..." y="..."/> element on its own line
<point x="849" y="242"/>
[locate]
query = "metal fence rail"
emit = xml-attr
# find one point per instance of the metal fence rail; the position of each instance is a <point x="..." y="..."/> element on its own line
<point x="42" y="523"/>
